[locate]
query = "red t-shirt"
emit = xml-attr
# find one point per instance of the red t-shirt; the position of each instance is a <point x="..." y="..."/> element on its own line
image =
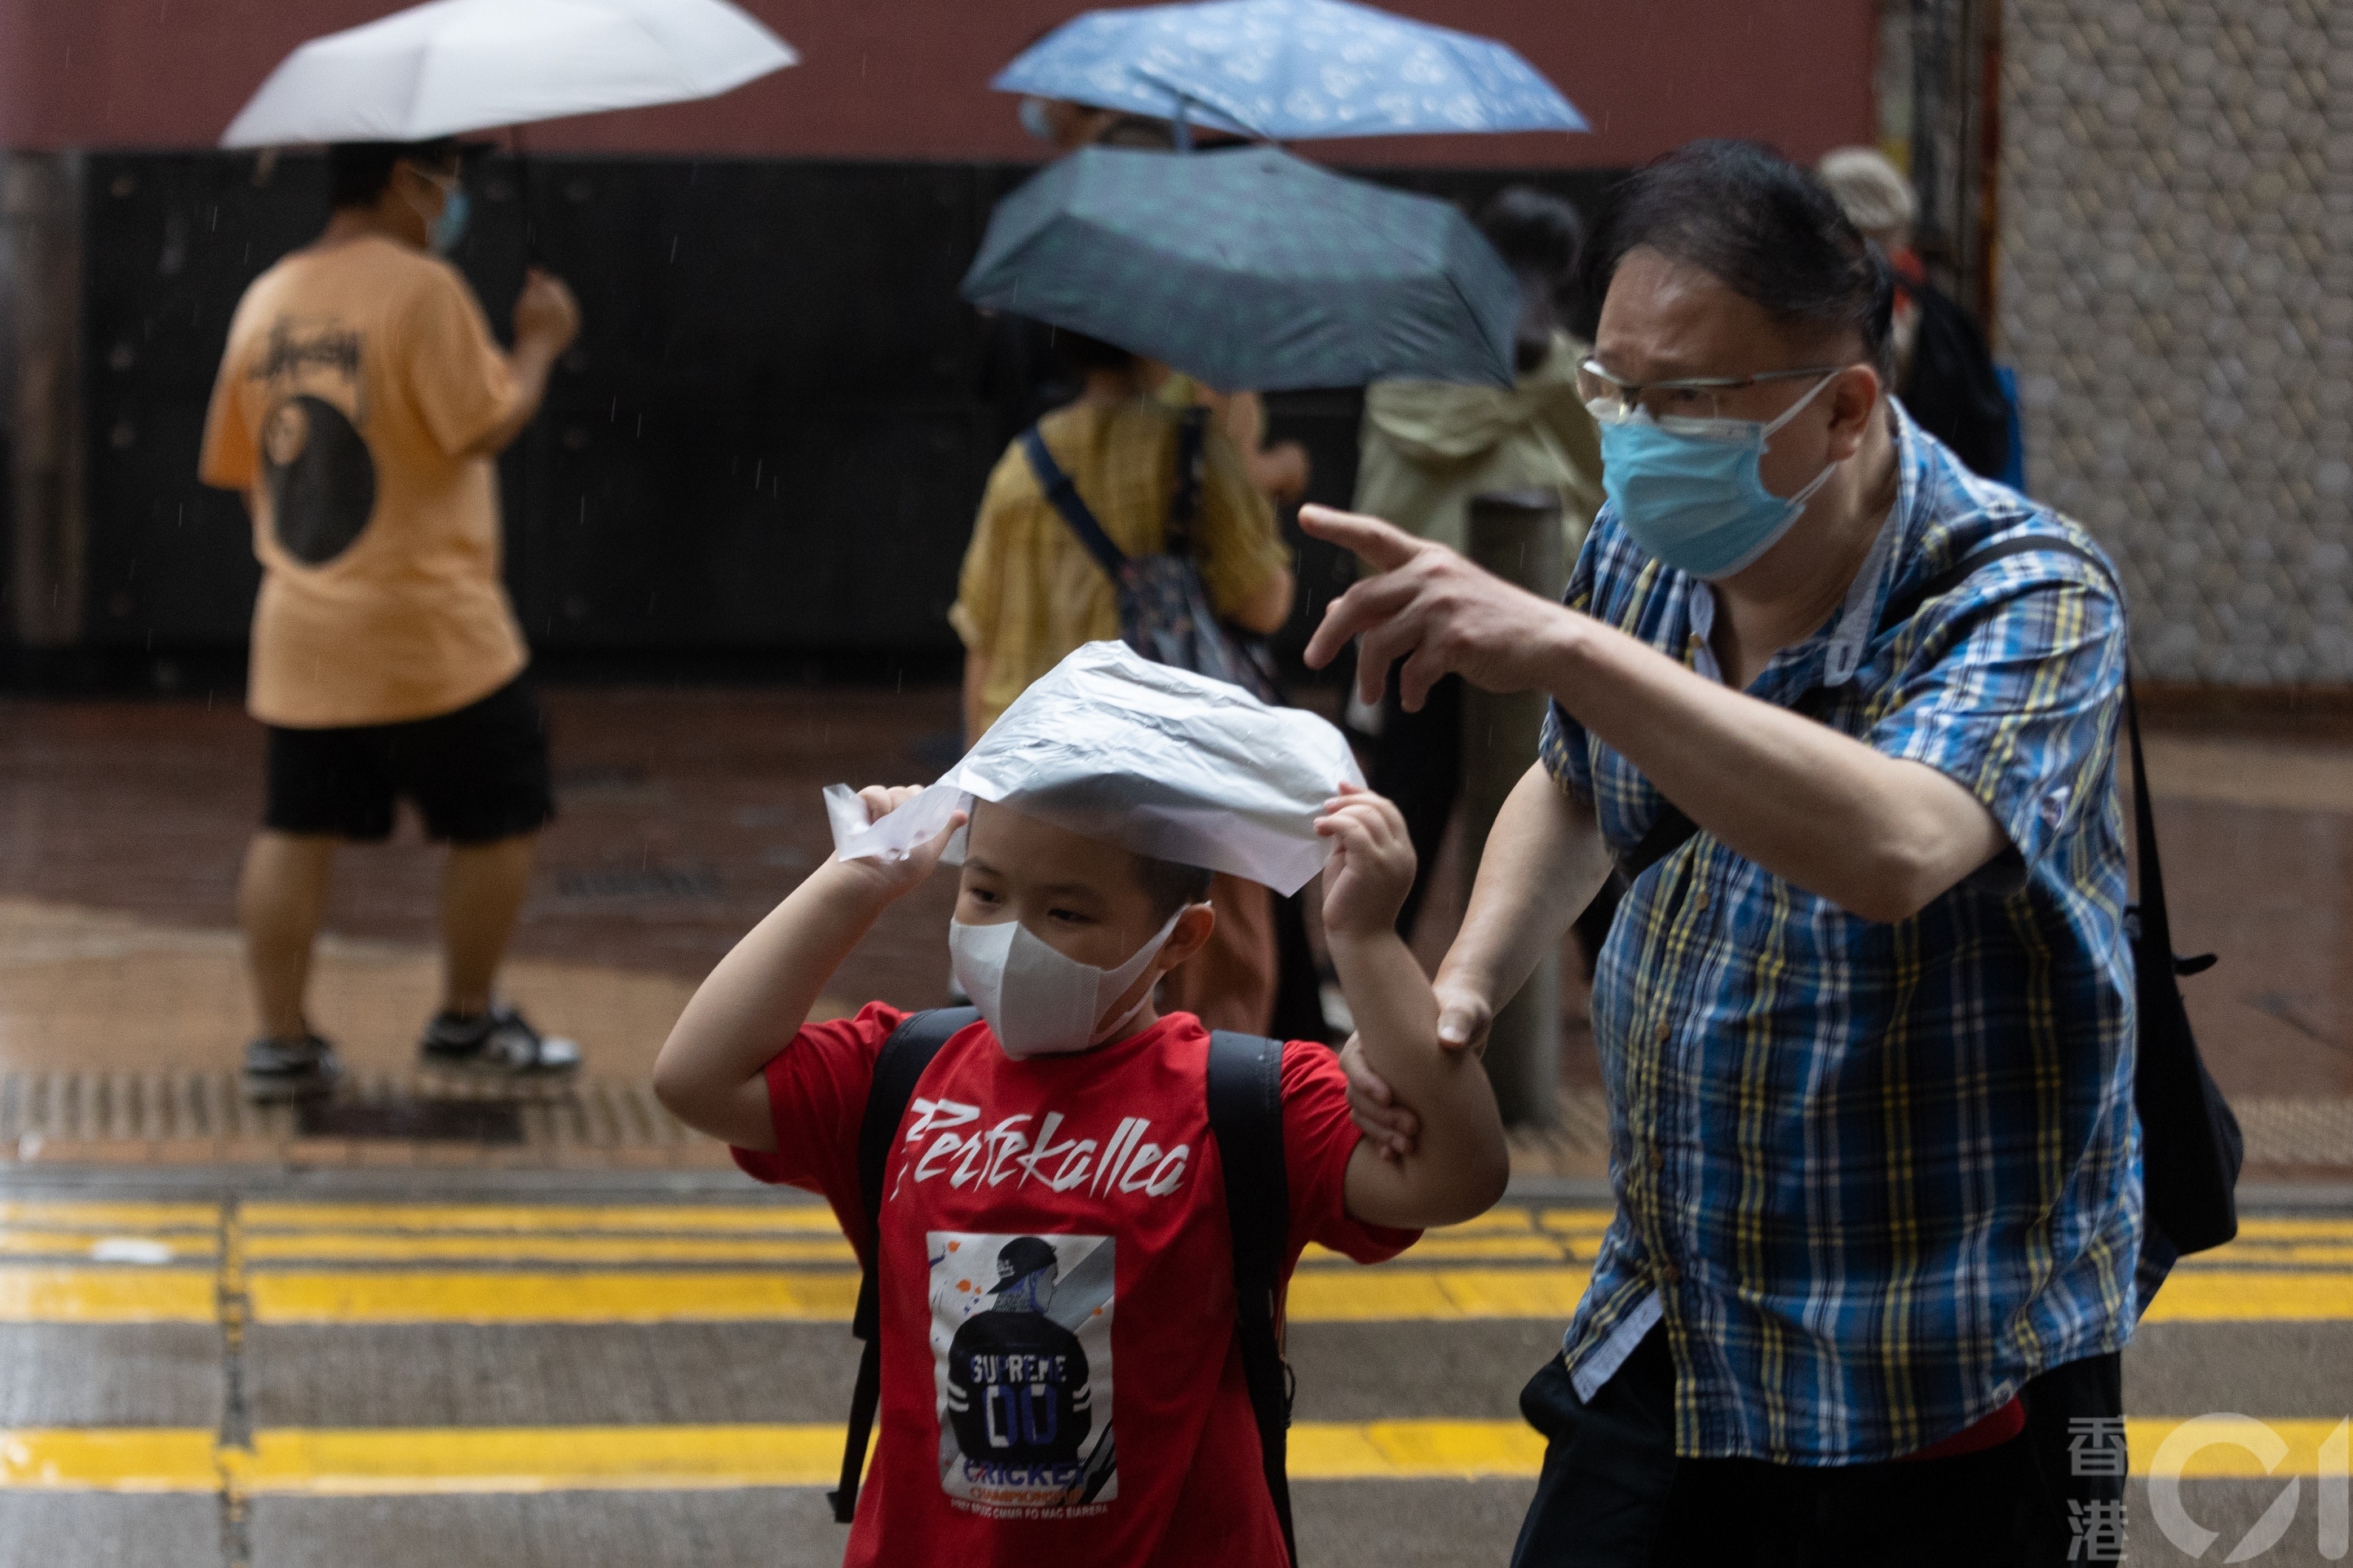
<point x="1057" y="1279"/>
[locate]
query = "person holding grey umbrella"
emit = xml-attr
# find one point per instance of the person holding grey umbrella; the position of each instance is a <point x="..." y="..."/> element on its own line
<point x="360" y="405"/>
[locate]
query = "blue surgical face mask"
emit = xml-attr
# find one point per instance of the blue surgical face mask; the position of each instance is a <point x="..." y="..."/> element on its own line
<point x="450" y="226"/>
<point x="1036" y="120"/>
<point x="1691" y="492"/>
<point x="445" y="231"/>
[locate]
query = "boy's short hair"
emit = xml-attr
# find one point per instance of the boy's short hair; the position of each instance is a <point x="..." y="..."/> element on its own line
<point x="1171" y="885"/>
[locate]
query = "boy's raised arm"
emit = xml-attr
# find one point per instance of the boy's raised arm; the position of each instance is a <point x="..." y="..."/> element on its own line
<point x="1461" y="1165"/>
<point x="711" y="1073"/>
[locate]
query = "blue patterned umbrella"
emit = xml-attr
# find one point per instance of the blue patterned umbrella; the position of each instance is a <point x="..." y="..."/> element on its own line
<point x="1251" y="269"/>
<point x="1290" y="71"/>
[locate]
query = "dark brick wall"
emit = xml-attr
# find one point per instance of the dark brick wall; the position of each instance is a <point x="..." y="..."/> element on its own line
<point x="768" y="443"/>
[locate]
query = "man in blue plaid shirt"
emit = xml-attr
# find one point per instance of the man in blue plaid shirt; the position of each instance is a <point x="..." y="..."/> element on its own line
<point x="1866" y="1013"/>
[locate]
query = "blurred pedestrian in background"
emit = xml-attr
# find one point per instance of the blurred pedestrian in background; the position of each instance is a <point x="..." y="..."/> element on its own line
<point x="1281" y="470"/>
<point x="1020" y="375"/>
<point x="359" y="406"/>
<point x="1944" y="372"/>
<point x="1427" y="447"/>
<point x="1031" y="592"/>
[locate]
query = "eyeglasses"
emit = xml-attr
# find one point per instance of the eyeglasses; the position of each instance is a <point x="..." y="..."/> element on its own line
<point x="1613" y="399"/>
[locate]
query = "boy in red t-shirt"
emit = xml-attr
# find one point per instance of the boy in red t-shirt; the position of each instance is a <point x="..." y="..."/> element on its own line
<point x="1061" y="1377"/>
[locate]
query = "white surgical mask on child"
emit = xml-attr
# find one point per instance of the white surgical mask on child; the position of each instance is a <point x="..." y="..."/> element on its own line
<point x="1039" y="1002"/>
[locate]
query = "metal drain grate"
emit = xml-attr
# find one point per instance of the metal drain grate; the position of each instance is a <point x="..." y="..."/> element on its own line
<point x="2297" y="1132"/>
<point x="616" y="1115"/>
<point x="100" y="1106"/>
<point x="448" y="1120"/>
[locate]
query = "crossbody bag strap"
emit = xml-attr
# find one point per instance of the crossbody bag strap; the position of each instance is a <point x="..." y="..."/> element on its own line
<point x="897" y="1068"/>
<point x="1185" y="501"/>
<point x="1062" y="494"/>
<point x="1245" y="1094"/>
<point x="1671" y="830"/>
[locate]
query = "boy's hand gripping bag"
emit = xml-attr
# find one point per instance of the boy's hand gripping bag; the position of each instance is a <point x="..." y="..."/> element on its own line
<point x="1155" y="759"/>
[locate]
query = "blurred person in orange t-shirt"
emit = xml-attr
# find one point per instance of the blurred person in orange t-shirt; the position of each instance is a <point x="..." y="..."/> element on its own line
<point x="359" y="408"/>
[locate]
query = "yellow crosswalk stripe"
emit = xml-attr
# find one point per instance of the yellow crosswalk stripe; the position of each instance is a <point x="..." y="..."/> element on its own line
<point x="112" y="1460"/>
<point x="1595" y="1221"/>
<point x="362" y="1463"/>
<point x="1445" y="1247"/>
<point x="133" y="1246"/>
<point x="2262" y="1237"/>
<point x="414" y="1296"/>
<point x="523" y="1218"/>
<point x="101" y="1295"/>
<point x="394" y="1461"/>
<point x="2244" y="1254"/>
<point x="2247" y="1296"/>
<point x="346" y="1247"/>
<point x="1403" y="1450"/>
<point x="419" y="1296"/>
<point x="76" y="1215"/>
<point x="130" y="1294"/>
<point x="2267" y="1227"/>
<point x="1374" y="1295"/>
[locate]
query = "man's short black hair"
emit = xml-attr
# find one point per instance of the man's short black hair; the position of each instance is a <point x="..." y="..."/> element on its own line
<point x="1538" y="235"/>
<point x="1171" y="885"/>
<point x="1768" y="230"/>
<point x="358" y="172"/>
<point x="1533" y="231"/>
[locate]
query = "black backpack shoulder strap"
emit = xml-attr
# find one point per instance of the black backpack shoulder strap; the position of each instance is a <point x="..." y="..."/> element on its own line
<point x="1185" y="501"/>
<point x="1904" y="607"/>
<point x="1245" y="1095"/>
<point x="1062" y="492"/>
<point x="900" y="1062"/>
<point x="1672" y="829"/>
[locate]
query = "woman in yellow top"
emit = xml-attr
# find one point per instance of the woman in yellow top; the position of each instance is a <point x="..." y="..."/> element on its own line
<point x="1030" y="594"/>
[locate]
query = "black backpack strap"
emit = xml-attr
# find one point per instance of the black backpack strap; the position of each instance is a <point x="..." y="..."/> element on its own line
<point x="1904" y="607"/>
<point x="900" y="1062"/>
<point x="1671" y="830"/>
<point x="1185" y="501"/>
<point x="2191" y="1146"/>
<point x="1063" y="493"/>
<point x="1246" y="1116"/>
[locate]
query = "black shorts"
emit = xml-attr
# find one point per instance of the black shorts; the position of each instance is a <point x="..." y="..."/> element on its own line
<point x="476" y="775"/>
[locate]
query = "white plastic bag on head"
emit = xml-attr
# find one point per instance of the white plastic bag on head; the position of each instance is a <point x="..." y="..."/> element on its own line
<point x="1155" y="759"/>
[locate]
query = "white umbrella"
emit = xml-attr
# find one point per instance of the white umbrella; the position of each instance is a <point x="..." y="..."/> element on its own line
<point x="454" y="66"/>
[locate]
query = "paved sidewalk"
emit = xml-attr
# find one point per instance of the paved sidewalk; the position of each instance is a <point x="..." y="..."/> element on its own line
<point x="686" y="814"/>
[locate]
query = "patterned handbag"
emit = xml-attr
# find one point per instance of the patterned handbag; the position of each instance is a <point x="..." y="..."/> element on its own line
<point x="1165" y="612"/>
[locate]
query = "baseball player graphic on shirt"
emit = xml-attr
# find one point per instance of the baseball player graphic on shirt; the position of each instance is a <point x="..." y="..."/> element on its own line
<point x="1021" y="1344"/>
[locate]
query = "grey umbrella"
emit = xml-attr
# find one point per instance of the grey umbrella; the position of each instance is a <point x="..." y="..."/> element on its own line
<point x="1250" y="268"/>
